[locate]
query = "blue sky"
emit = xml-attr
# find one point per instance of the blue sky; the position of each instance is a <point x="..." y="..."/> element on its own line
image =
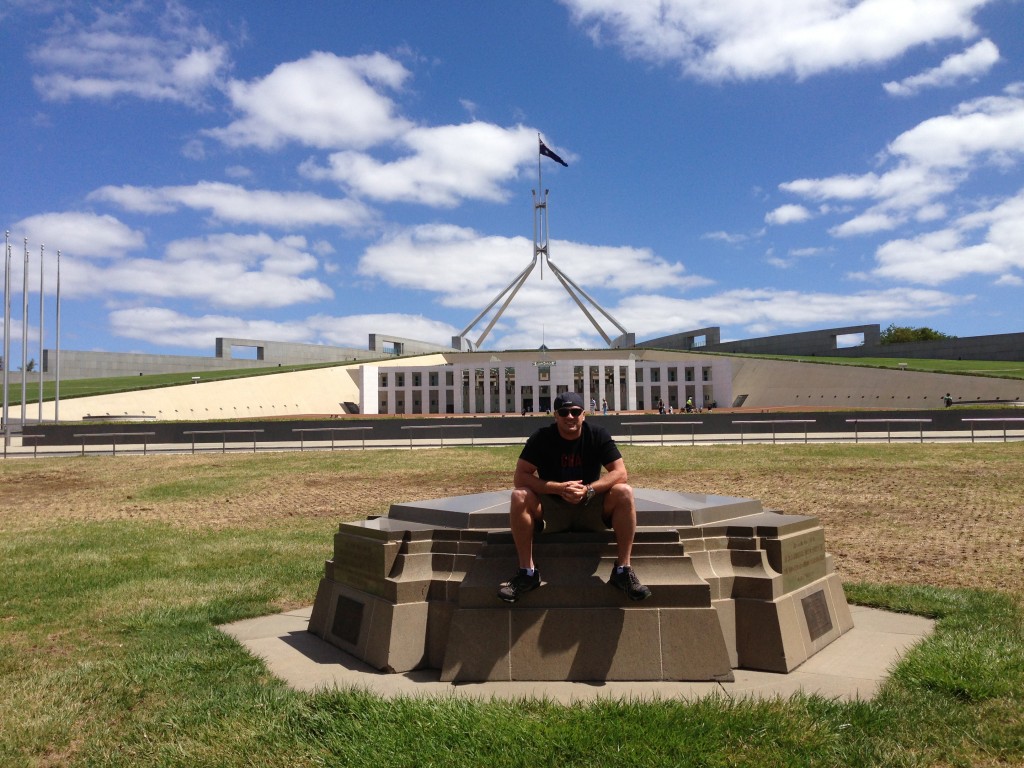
<point x="316" y="172"/>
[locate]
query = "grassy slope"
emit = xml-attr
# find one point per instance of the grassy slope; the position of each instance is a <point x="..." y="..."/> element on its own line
<point x="110" y="655"/>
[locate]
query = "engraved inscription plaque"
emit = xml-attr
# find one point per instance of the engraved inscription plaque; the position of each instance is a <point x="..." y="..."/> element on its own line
<point x="348" y="620"/>
<point x="816" y="613"/>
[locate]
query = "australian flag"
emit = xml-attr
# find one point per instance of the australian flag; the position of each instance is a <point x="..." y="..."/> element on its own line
<point x="548" y="153"/>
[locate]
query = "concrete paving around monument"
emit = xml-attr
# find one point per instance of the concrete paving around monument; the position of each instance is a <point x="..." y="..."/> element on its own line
<point x="850" y="668"/>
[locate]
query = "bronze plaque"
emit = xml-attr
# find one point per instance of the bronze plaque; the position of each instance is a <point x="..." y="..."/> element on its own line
<point x="348" y="620"/>
<point x="819" y="622"/>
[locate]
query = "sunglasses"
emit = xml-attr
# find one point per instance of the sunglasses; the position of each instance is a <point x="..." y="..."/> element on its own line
<point x="566" y="412"/>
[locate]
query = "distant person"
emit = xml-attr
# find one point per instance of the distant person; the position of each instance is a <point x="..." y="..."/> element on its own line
<point x="948" y="400"/>
<point x="559" y="487"/>
<point x="593" y="405"/>
<point x="661" y="406"/>
<point x="689" y="405"/>
<point x="604" y="406"/>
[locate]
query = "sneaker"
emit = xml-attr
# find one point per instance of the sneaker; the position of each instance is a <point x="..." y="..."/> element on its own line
<point x="628" y="582"/>
<point x="518" y="584"/>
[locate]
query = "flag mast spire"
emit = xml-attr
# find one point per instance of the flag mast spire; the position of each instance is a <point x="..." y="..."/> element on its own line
<point x="541" y="254"/>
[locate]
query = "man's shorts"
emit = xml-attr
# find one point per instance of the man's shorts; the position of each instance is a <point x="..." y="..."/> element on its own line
<point x="560" y="515"/>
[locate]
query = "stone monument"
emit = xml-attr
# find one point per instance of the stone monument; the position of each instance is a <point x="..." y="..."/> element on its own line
<point x="733" y="586"/>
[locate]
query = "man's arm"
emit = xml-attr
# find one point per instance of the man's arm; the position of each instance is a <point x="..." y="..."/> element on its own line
<point x="526" y="476"/>
<point x="614" y="475"/>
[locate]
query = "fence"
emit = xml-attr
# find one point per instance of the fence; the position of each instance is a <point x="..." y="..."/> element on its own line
<point x="301" y="432"/>
<point x="113" y="442"/>
<point x="224" y="436"/>
<point x="442" y="428"/>
<point x="682" y="431"/>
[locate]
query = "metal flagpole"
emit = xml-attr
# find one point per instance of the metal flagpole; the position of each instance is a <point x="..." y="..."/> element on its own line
<point x="24" y="337"/>
<point x="7" y="335"/>
<point x="56" y="367"/>
<point x="536" y="208"/>
<point x="41" y="261"/>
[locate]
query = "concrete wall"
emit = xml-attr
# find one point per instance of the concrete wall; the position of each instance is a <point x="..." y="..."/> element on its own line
<point x="383" y="344"/>
<point x="75" y="364"/>
<point x="773" y="383"/>
<point x="290" y="353"/>
<point x="687" y="340"/>
<point x="997" y="346"/>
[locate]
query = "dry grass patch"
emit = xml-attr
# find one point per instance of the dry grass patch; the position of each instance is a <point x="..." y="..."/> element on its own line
<point x="942" y="515"/>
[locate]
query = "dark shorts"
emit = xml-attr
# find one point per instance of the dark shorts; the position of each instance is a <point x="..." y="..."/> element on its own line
<point x="560" y="515"/>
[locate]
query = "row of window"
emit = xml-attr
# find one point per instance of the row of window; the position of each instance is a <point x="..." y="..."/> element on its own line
<point x="433" y="377"/>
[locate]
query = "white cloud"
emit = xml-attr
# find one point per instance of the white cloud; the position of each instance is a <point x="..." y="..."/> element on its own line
<point x="787" y="214"/>
<point x="218" y="270"/>
<point x="355" y="330"/>
<point x="468" y="271"/>
<point x="80" y="234"/>
<point x="972" y="63"/>
<point x="770" y="311"/>
<point x="168" y="327"/>
<point x="948" y="254"/>
<point x="929" y="161"/>
<point x="231" y="203"/>
<point x="750" y="39"/>
<point x="447" y="164"/>
<point x="324" y="101"/>
<point x="157" y="325"/>
<point x="469" y="268"/>
<point x="154" y="53"/>
<point x="731" y="238"/>
<point x="979" y="131"/>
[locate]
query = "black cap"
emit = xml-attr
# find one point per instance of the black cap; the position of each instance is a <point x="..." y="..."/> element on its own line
<point x="568" y="400"/>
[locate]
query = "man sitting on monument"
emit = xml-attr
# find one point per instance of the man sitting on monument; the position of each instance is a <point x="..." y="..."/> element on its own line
<point x="559" y="487"/>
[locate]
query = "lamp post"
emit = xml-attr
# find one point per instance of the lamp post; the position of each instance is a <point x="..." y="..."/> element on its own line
<point x="41" y="260"/>
<point x="7" y="334"/>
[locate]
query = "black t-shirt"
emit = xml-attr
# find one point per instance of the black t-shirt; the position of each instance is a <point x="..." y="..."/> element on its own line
<point x="559" y="460"/>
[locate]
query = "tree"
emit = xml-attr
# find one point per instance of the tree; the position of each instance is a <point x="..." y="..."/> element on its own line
<point x="900" y="334"/>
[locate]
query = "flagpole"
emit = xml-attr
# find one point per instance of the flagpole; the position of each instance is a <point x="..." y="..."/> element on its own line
<point x="7" y="336"/>
<point x="42" y="249"/>
<point x="56" y="373"/>
<point x="536" y="206"/>
<point x="24" y="337"/>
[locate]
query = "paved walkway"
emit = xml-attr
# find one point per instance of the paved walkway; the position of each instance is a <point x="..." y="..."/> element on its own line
<point x="852" y="667"/>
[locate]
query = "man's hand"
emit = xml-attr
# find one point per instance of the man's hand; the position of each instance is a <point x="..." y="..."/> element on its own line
<point x="572" y="491"/>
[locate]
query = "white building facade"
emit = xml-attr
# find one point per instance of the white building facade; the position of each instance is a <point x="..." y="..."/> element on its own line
<point x="469" y="383"/>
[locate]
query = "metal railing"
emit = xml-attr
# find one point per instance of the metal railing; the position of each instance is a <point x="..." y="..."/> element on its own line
<point x="661" y="428"/>
<point x="888" y="426"/>
<point x="774" y="422"/>
<point x="113" y="442"/>
<point x="442" y="428"/>
<point x="224" y="436"/>
<point x="1003" y="421"/>
<point x="332" y="430"/>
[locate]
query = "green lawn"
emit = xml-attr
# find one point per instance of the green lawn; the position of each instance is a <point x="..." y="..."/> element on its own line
<point x="996" y="368"/>
<point x="110" y="655"/>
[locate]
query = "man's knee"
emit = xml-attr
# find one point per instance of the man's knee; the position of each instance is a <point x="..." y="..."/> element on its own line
<point x="524" y="502"/>
<point x="523" y="497"/>
<point x="619" y="494"/>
